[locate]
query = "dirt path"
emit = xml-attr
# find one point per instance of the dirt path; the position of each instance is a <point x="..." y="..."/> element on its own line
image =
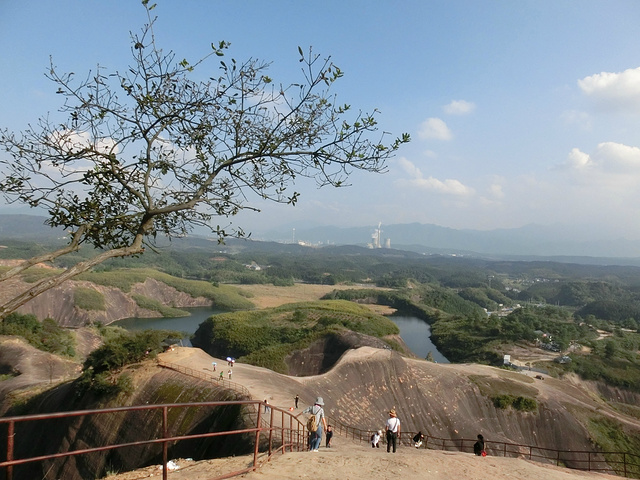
<point x="351" y="460"/>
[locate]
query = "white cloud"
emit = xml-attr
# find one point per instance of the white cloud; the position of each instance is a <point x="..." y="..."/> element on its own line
<point x="608" y="158"/>
<point x="417" y="180"/>
<point x="614" y="90"/>
<point x="459" y="107"/>
<point x="578" y="160"/>
<point x="434" y="128"/>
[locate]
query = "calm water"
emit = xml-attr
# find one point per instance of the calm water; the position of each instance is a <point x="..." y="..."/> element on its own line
<point x="182" y="324"/>
<point x="416" y="334"/>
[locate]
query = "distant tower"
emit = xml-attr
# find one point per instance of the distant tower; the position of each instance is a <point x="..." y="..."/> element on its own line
<point x="293" y="236"/>
<point x="376" y="237"/>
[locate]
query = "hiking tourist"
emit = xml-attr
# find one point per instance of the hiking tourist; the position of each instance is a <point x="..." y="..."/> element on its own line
<point x="297" y="399"/>
<point x="329" y="436"/>
<point x="417" y="439"/>
<point x="478" y="447"/>
<point x="317" y="413"/>
<point x="393" y="430"/>
<point x="375" y="439"/>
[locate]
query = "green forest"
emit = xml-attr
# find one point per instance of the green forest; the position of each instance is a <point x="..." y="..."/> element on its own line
<point x="476" y="307"/>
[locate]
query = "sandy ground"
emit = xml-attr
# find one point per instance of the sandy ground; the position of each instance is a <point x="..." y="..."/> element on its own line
<point x="347" y="459"/>
<point x="351" y="460"/>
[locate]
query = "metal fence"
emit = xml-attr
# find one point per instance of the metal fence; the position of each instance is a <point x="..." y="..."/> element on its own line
<point x="279" y="431"/>
<point x="616" y="463"/>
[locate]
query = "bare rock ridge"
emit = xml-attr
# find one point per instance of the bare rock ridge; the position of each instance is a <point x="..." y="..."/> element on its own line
<point x="447" y="401"/>
<point x="58" y="302"/>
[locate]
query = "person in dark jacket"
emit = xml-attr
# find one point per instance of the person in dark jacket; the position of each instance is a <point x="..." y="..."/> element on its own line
<point x="329" y="436"/>
<point x="478" y="447"/>
<point x="417" y="439"/>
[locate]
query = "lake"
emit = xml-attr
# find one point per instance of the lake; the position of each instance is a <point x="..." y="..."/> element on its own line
<point x="182" y="324"/>
<point x="416" y="333"/>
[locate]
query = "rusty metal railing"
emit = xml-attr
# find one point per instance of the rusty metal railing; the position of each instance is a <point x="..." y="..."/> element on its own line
<point x="210" y="377"/>
<point x="287" y="436"/>
<point x="623" y="464"/>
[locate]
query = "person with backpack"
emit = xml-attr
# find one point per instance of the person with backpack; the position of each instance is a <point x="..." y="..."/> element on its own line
<point x="316" y="424"/>
<point x="393" y="430"/>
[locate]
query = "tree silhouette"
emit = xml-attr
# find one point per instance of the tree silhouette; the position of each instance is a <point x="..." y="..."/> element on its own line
<point x="154" y="151"/>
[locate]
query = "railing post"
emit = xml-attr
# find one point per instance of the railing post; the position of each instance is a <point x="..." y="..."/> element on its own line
<point x="10" y="435"/>
<point x="165" y="446"/>
<point x="271" y="424"/>
<point x="257" y="441"/>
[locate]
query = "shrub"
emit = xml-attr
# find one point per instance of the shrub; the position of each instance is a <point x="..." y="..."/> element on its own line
<point x="525" y="404"/>
<point x="126" y="348"/>
<point x="47" y="336"/>
<point x="520" y="403"/>
<point x="502" y="401"/>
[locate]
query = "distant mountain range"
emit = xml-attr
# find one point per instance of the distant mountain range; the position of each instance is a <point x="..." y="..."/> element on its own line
<point x="526" y="243"/>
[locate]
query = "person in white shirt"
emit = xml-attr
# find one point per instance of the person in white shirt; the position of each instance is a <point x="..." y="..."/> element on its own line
<point x="375" y="439"/>
<point x="393" y="430"/>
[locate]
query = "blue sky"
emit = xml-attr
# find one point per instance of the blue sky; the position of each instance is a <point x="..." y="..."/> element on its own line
<point x="520" y="112"/>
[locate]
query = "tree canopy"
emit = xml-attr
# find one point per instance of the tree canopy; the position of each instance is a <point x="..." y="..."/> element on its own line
<point x="154" y="150"/>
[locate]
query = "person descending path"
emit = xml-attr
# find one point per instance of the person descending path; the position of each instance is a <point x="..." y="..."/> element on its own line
<point x="321" y="422"/>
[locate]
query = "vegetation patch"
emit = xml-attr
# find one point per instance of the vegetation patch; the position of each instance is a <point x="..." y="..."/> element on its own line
<point x="35" y="274"/>
<point x="89" y="299"/>
<point x="223" y="296"/>
<point x="266" y="337"/>
<point x="508" y="392"/>
<point x="100" y="367"/>
<point x="631" y="410"/>
<point x="153" y="304"/>
<point x="520" y="403"/>
<point x="612" y="436"/>
<point x="46" y="335"/>
<point x="493" y="387"/>
<point x="614" y="360"/>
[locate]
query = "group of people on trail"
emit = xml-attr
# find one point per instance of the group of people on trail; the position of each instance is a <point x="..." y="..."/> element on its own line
<point x="317" y="426"/>
<point x="392" y="429"/>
